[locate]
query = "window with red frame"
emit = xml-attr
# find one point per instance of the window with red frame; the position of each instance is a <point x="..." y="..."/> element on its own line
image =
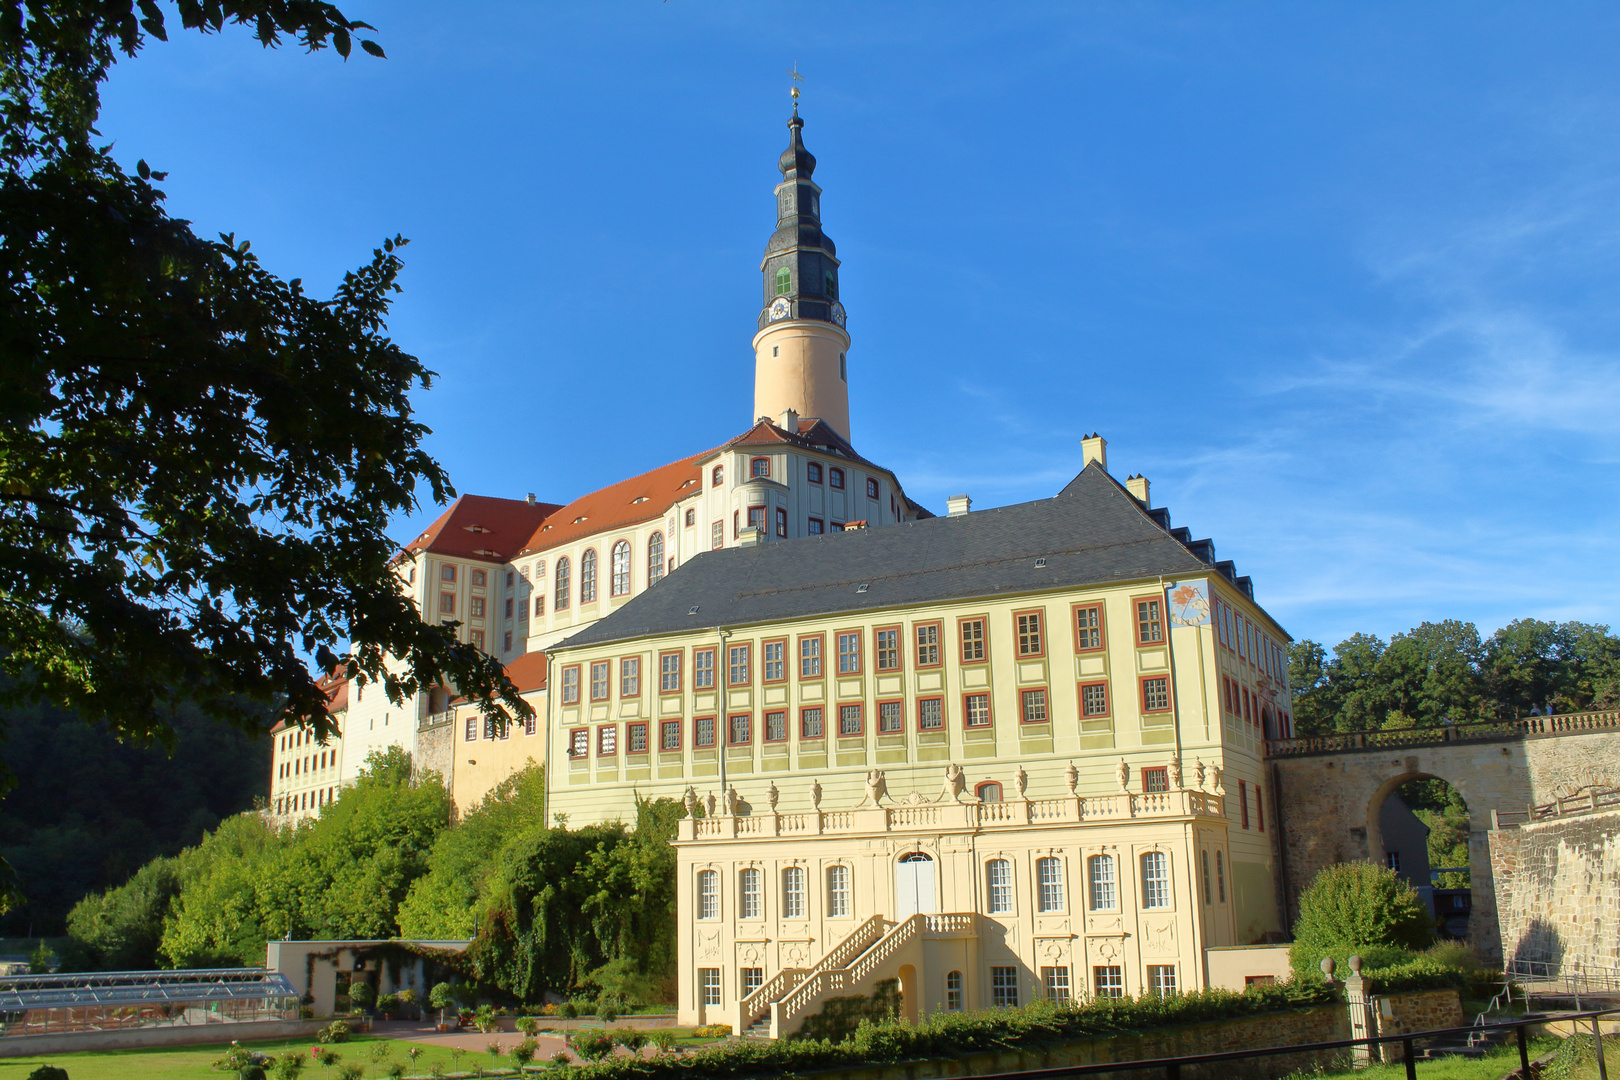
<point x="1259" y="809"/>
<point x="1088" y="628"/>
<point x="1094" y="699"/>
<point x="1034" y="706"/>
<point x="775" y="726"/>
<point x="812" y="471"/>
<point x="1156" y="694"/>
<point x="1243" y="800"/>
<point x="886" y="645"/>
<point x="891" y="717"/>
<point x="669" y="735"/>
<point x="976" y="710"/>
<point x="739" y="729"/>
<point x="1156" y="779"/>
<point x="717" y="475"/>
<point x="781" y="522"/>
<point x="871" y="489"/>
<point x="931" y="714"/>
<point x="1030" y="642"/>
<point x="703" y="731"/>
<point x="599" y="681"/>
<point x="927" y="635"/>
<point x="1149" y="622"/>
<point x="607" y="740"/>
<point x="850" y="721"/>
<point x="760" y="467"/>
<point x="579" y="742"/>
<point x="835" y="477"/>
<point x="635" y="738"/>
<point x="973" y="643"/>
<point x="756" y="518"/>
<point x="811" y="725"/>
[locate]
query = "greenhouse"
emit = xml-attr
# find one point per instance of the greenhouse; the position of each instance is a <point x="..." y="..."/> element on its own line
<point x="129" y="1000"/>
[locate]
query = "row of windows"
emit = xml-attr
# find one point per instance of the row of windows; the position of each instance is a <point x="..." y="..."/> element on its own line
<point x="619" y="583"/>
<point x="1241" y="635"/>
<point x="308" y="800"/>
<point x="760" y="468"/>
<point x="1107" y="981"/>
<point x="923" y="644"/>
<point x="310" y="763"/>
<point x="849" y="720"/>
<point x="494" y="728"/>
<point x="750" y="893"/>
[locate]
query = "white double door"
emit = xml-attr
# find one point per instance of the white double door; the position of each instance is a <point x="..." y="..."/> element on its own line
<point x="914" y="886"/>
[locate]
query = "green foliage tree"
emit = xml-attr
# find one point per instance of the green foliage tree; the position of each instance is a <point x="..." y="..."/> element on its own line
<point x="198" y="460"/>
<point x="120" y="929"/>
<point x="441" y="997"/>
<point x="1353" y="907"/>
<point x="443" y="903"/>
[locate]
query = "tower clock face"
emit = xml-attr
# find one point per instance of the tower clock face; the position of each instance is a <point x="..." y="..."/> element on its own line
<point x="838" y="313"/>
<point x="780" y="308"/>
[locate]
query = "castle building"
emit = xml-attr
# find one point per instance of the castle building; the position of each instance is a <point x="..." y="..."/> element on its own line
<point x="306" y="774"/>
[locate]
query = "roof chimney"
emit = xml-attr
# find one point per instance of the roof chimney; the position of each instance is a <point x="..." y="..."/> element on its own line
<point x="531" y="498"/>
<point x="957" y="505"/>
<point x="1094" y="448"/>
<point x="751" y="537"/>
<point x="1138" y="486"/>
<point x="790" y="422"/>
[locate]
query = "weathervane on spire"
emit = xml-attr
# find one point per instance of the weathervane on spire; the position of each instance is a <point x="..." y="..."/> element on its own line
<point x="794" y="89"/>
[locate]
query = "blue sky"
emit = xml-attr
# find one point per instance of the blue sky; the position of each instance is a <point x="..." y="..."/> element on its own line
<point x="1340" y="279"/>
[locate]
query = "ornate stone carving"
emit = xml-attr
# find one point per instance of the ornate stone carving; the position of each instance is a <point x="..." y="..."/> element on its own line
<point x="877" y="788"/>
<point x="1215" y="780"/>
<point x="1175" y="773"/>
<point x="731" y="800"/>
<point x="955" y="787"/>
<point x="689" y="800"/>
<point x="1020" y="781"/>
<point x="1198" y="773"/>
<point x="709" y="803"/>
<point x="914" y="799"/>
<point x="1122" y="773"/>
<point x="815" y="794"/>
<point x="771" y="795"/>
<point x="1072" y="775"/>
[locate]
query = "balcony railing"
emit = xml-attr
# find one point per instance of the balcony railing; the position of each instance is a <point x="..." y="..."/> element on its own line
<point x="1487" y="731"/>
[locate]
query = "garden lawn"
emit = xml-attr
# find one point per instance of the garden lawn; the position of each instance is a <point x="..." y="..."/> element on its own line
<point x="1494" y="1065"/>
<point x="193" y="1063"/>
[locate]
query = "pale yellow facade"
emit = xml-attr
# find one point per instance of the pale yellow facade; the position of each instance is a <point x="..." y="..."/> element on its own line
<point x="802" y="365"/>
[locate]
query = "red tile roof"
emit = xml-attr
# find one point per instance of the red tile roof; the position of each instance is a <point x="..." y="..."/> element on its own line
<point x="617" y="506"/>
<point x="337" y="697"/>
<point x="528" y="672"/>
<point x="482" y="527"/>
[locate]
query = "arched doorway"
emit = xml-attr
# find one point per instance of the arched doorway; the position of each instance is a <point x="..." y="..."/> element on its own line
<point x="1418" y="825"/>
<point x="914" y="885"/>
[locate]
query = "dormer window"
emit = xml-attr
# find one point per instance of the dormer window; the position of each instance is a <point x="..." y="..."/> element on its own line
<point x="835" y="477"/>
<point x="718" y="475"/>
<point x="639" y="499"/>
<point x="784" y="281"/>
<point x="760" y="467"/>
<point x="812" y="472"/>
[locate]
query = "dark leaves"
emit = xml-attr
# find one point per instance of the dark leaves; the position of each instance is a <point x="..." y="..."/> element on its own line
<point x="373" y="48"/>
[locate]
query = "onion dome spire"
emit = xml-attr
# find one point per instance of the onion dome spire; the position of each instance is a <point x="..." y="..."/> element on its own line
<point x="800" y="266"/>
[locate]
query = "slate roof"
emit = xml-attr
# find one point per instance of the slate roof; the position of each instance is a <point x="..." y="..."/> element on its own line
<point x="1093" y="532"/>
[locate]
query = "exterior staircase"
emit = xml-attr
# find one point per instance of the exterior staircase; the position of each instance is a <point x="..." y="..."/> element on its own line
<point x="871" y="952"/>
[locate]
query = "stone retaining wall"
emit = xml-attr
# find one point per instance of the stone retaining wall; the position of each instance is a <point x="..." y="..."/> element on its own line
<point x="1417" y="1010"/>
<point x="1558" y="890"/>
<point x="219" y="1035"/>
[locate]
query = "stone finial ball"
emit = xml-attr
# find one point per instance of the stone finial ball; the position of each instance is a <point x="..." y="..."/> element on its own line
<point x="1355" y="964"/>
<point x="1327" y="966"/>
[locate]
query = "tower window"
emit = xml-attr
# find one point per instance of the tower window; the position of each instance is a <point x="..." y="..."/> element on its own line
<point x="784" y="281"/>
<point x="760" y="467"/>
<point x="843" y="368"/>
<point x="832" y="287"/>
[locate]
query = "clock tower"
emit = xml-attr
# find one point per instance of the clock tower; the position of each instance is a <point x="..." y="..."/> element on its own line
<point x="801" y="348"/>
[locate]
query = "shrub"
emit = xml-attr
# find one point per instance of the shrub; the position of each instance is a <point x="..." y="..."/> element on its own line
<point x="1420" y="973"/>
<point x="441" y="997"/>
<point x="631" y="1039"/>
<point x="289" y="1065"/>
<point x="568" y="1010"/>
<point x="524" y="1052"/>
<point x="335" y="1032"/>
<point x="607" y="1012"/>
<point x="394" y="1070"/>
<point x="529" y="1026"/>
<point x="592" y="1045"/>
<point x="484" y="1018"/>
<point x="352" y="1071"/>
<point x="664" y="1040"/>
<point x="1352" y="907"/>
<point x="560" y="1059"/>
<point x="712" y="1031"/>
<point x="388" y="1004"/>
<point x="361" y="995"/>
<point x="48" y="1072"/>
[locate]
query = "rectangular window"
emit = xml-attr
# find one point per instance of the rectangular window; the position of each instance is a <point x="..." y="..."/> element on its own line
<point x="775" y="664"/>
<point x="1155" y="880"/>
<point x="599" y="680"/>
<point x="849" y="720"/>
<point x="1103" y="896"/>
<point x="447" y="573"/>
<point x="579" y="742"/>
<point x="478" y="639"/>
<point x="508" y="607"/>
<point x="972" y="640"/>
<point x="717" y="536"/>
<point x="709" y="985"/>
<point x="508" y="641"/>
<point x="476" y="608"/>
<point x="1004" y="987"/>
<point x="976" y="710"/>
<point x="539" y="606"/>
<point x="886" y="642"/>
<point x="953" y="991"/>
<point x="739" y="729"/>
<point x="635" y="737"/>
<point x="837" y="891"/>
<point x="630" y="677"/>
<point x="1156" y="694"/>
<point x="703" y="731"/>
<point x="472" y="728"/>
<point x="793" y="892"/>
<point x="810" y="658"/>
<point x="781" y="522"/>
<point x="1049" y="872"/>
<point x="1259" y="810"/>
<point x="1108" y="981"/>
<point x="1055" y="983"/>
<point x="570" y="684"/>
<point x="1088" y="627"/>
<point x="1243" y="800"/>
<point x="1030" y="642"/>
<point x="447" y="603"/>
<point x="1155" y="780"/>
<point x="479" y="578"/>
<point x="1149" y="622"/>
<point x="1162" y="980"/>
<point x="891" y="716"/>
<point x="775" y="726"/>
<point x="756" y="518"/>
<point x="669" y="673"/>
<point x="815" y="527"/>
<point x="931" y="714"/>
<point x="607" y="740"/>
<point x="737" y="660"/>
<point x="703" y="669"/>
<point x="849" y="653"/>
<point x="998" y="876"/>
<point x="927" y="644"/>
<point x="752" y="979"/>
<point x="810" y="726"/>
<point x="1034" y="705"/>
<point x="669" y="735"/>
<point x="1392" y="859"/>
<point x="1094" y="699"/>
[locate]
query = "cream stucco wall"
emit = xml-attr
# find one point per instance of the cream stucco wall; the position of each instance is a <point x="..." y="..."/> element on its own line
<point x="797" y="366"/>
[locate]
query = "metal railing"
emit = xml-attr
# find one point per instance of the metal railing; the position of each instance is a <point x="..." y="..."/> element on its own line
<point x="1549" y="979"/>
<point x="1171" y="1067"/>
<point x="1484" y="731"/>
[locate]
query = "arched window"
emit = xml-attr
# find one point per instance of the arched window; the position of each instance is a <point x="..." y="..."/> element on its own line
<point x="835" y="477"/>
<point x="784" y="281"/>
<point x="998" y="878"/>
<point x="559" y="592"/>
<point x="655" y="558"/>
<point x="621" y="568"/>
<point x="1103" y="894"/>
<point x="837" y="890"/>
<point x="989" y="791"/>
<point x="871" y="489"/>
<point x="587" y="577"/>
<point x="1049" y="875"/>
<point x="793" y="892"/>
<point x="953" y="991"/>
<point x="1155" y="880"/>
<point x="717" y="475"/>
<point x="708" y="894"/>
<point x="748" y="900"/>
<point x="760" y="466"/>
<point x="812" y="472"/>
<point x="843" y="368"/>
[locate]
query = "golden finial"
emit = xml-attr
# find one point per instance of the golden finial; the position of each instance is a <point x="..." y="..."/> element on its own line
<point x="794" y="89"/>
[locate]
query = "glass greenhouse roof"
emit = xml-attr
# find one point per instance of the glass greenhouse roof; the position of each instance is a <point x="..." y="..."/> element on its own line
<point x="135" y="987"/>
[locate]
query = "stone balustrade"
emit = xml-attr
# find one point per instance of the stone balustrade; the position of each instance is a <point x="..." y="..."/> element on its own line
<point x="933" y="817"/>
